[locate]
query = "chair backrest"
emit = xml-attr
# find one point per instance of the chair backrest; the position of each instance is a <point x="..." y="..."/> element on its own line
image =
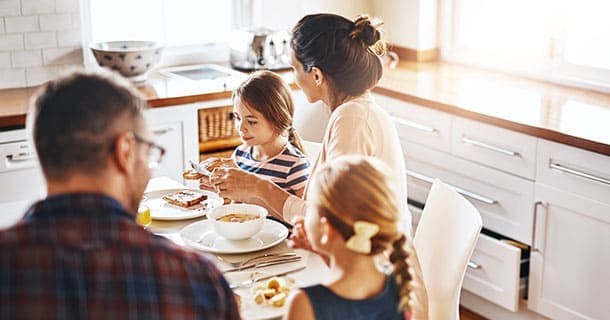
<point x="444" y="241"/>
<point x="312" y="150"/>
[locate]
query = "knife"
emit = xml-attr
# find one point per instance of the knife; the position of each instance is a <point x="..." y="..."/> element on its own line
<point x="261" y="278"/>
<point x="267" y="263"/>
<point x="200" y="169"/>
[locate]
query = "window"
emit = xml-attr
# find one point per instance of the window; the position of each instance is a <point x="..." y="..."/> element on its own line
<point x="564" y="41"/>
<point x="187" y="28"/>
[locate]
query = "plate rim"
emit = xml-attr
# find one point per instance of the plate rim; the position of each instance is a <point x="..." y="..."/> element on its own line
<point x="197" y="246"/>
<point x="198" y="215"/>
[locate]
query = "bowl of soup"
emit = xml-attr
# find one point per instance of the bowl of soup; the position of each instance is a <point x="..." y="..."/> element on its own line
<point x="237" y="221"/>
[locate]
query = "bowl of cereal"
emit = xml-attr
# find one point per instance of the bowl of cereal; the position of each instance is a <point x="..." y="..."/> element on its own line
<point x="237" y="221"/>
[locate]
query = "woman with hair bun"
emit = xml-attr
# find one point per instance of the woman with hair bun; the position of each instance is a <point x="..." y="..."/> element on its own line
<point x="354" y="229"/>
<point x="337" y="61"/>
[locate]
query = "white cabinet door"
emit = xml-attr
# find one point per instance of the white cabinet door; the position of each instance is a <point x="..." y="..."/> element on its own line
<point x="169" y="136"/>
<point x="570" y="259"/>
<point x="175" y="128"/>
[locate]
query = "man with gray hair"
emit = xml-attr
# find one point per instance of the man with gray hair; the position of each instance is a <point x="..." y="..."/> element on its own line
<point x="79" y="253"/>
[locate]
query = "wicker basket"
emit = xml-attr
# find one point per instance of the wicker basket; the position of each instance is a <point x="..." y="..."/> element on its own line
<point x="217" y="130"/>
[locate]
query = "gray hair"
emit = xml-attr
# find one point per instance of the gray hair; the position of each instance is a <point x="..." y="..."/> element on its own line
<point x="76" y="118"/>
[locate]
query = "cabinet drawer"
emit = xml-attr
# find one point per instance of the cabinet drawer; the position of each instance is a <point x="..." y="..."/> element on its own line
<point x="495" y="147"/>
<point x="418" y="124"/>
<point x="493" y="272"/>
<point x="504" y="201"/>
<point x="575" y="170"/>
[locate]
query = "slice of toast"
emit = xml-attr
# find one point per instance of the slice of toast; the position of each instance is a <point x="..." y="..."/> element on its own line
<point x="184" y="198"/>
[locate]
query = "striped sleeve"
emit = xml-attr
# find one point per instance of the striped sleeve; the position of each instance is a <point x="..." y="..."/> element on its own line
<point x="298" y="174"/>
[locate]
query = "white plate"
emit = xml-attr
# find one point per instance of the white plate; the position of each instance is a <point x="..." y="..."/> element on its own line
<point x="161" y="210"/>
<point x="200" y="235"/>
<point x="249" y="310"/>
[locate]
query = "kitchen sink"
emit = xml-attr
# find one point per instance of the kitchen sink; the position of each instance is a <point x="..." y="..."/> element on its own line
<point x="208" y="74"/>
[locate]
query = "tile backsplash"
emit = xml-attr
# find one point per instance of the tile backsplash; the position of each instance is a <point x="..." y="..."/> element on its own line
<point x="38" y="40"/>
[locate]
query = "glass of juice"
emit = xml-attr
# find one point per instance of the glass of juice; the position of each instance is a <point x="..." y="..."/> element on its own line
<point x="143" y="218"/>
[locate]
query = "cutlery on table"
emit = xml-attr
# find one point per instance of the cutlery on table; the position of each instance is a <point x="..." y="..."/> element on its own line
<point x="264" y="277"/>
<point x="268" y="263"/>
<point x="235" y="264"/>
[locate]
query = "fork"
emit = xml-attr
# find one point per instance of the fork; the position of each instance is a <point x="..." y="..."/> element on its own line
<point x="236" y="264"/>
<point x="264" y="264"/>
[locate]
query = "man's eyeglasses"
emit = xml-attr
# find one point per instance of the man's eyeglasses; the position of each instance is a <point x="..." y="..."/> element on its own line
<point x="155" y="153"/>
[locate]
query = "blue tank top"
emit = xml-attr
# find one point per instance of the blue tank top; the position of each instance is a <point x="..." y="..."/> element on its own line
<point x="327" y="305"/>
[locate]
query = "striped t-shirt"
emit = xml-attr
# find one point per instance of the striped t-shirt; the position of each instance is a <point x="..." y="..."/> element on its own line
<point x="289" y="170"/>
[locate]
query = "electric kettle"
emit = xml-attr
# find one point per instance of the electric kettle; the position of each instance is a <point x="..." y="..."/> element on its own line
<point x="260" y="48"/>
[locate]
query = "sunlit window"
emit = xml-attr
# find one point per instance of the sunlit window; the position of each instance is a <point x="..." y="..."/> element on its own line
<point x="172" y="22"/>
<point x="558" y="40"/>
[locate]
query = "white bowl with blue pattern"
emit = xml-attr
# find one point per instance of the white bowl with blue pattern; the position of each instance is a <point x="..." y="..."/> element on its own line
<point x="132" y="59"/>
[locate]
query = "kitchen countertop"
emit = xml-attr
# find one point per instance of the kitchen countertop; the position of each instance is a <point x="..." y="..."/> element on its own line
<point x="567" y="115"/>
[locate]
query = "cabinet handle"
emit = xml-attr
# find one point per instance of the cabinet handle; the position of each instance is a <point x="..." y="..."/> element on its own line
<point x="536" y="204"/>
<point x="21" y="157"/>
<point x="474" y="265"/>
<point x="415" y="125"/>
<point x="489" y="147"/>
<point x="160" y="132"/>
<point x="559" y="167"/>
<point x="461" y="191"/>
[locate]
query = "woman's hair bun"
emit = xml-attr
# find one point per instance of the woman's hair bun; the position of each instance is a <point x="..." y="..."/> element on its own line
<point x="365" y="30"/>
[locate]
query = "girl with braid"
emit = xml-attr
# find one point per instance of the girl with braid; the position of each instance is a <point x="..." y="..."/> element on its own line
<point x="353" y="219"/>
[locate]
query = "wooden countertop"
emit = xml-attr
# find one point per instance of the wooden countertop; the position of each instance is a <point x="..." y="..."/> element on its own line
<point x="567" y="115"/>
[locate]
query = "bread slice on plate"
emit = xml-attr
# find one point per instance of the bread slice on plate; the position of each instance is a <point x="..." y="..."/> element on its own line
<point x="184" y="198"/>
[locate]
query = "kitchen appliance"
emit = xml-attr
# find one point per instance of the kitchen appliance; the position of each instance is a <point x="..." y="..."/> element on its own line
<point x="260" y="48"/>
<point x="18" y="167"/>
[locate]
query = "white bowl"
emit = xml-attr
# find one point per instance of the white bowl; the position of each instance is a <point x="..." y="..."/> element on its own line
<point x="237" y="230"/>
<point x="132" y="59"/>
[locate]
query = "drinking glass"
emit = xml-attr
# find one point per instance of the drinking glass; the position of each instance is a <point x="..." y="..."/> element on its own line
<point x="143" y="218"/>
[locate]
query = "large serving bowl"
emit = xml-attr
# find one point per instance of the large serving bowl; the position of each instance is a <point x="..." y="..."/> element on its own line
<point x="237" y="229"/>
<point x="132" y="59"/>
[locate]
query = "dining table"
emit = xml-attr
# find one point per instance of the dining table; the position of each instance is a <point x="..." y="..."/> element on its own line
<point x="310" y="269"/>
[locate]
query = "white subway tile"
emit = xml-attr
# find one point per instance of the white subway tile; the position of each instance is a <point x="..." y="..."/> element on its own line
<point x="10" y="42"/>
<point x="68" y="38"/>
<point x="5" y="60"/>
<point x="62" y="56"/>
<point x="12" y="78"/>
<point x="60" y="21"/>
<point x="9" y="8"/>
<point x="28" y="58"/>
<point x="2" y="30"/>
<point x="37" y="6"/>
<point x="40" y="40"/>
<point x="66" y="6"/>
<point x="39" y="75"/>
<point x="21" y="24"/>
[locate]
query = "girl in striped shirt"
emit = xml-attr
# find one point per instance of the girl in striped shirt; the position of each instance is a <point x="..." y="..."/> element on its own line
<point x="271" y="148"/>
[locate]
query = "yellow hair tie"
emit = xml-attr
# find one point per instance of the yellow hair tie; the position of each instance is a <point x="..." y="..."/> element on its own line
<point x="361" y="240"/>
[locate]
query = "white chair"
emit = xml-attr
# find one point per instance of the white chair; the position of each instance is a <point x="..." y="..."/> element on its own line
<point x="444" y="241"/>
<point x="312" y="150"/>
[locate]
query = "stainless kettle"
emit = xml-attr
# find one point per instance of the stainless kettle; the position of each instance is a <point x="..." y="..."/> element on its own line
<point x="261" y="48"/>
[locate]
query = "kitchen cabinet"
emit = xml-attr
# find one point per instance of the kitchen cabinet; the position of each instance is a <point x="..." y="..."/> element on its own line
<point x="553" y="199"/>
<point x="175" y="129"/>
<point x="570" y="258"/>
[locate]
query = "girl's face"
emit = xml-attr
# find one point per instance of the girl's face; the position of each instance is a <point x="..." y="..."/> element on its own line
<point x="305" y="80"/>
<point x="254" y="128"/>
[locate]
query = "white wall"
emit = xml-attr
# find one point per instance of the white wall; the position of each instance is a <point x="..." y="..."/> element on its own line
<point x="409" y="23"/>
<point x="38" y="39"/>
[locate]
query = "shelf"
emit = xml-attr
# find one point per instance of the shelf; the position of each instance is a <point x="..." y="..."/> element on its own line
<point x="213" y="145"/>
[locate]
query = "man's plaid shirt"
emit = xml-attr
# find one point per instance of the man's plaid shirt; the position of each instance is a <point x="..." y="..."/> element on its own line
<point x="82" y="256"/>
